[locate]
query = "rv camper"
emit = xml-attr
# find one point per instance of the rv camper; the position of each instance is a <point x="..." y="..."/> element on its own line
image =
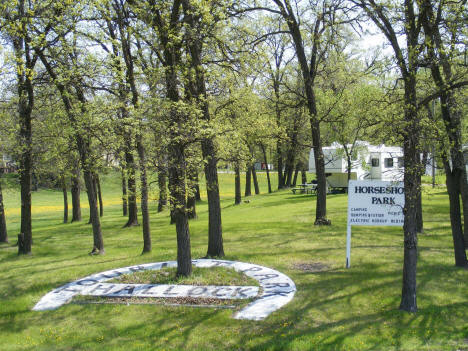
<point x="369" y="162"/>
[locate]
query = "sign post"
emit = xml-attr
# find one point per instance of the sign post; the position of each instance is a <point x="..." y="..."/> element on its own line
<point x="373" y="203"/>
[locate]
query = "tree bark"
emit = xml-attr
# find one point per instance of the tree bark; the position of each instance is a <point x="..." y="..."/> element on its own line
<point x="464" y="194"/>
<point x="197" y="188"/>
<point x="162" y="202"/>
<point x="419" y="212"/>
<point x="124" y="193"/>
<point x="215" y="228"/>
<point x="191" y="196"/>
<point x="288" y="174"/>
<point x="178" y="206"/>
<point x="75" y="193"/>
<point x="412" y="182"/>
<point x="296" y="173"/>
<point x="304" y="175"/>
<point x="279" y="166"/>
<point x="255" y="181"/>
<point x="455" y="214"/>
<point x="131" y="186"/>
<point x="248" y="186"/>
<point x="99" y="193"/>
<point x="65" y="199"/>
<point x="95" y="194"/>
<point x="144" y="196"/>
<point x="238" y="198"/>
<point x="267" y="169"/>
<point x="98" y="243"/>
<point x="25" y="93"/>
<point x="410" y="227"/>
<point x="3" y="227"/>
<point x="25" y="163"/>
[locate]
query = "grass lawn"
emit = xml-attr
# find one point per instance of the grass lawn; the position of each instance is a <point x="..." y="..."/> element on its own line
<point x="334" y="308"/>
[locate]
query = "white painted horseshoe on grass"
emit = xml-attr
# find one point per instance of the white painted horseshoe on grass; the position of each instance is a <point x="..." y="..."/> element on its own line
<point x="278" y="289"/>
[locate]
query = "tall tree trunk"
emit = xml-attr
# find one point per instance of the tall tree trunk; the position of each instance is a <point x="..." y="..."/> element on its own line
<point x="289" y="170"/>
<point x="255" y="181"/>
<point x="248" y="177"/>
<point x="440" y="54"/>
<point x="419" y="213"/>
<point x="455" y="214"/>
<point x="25" y="93"/>
<point x="98" y="243"/>
<point x="291" y="156"/>
<point x="95" y="194"/>
<point x="280" y="167"/>
<point x="83" y="149"/>
<point x="3" y="228"/>
<point x="34" y="182"/>
<point x="65" y="199"/>
<point x="296" y="173"/>
<point x="304" y="175"/>
<point x="267" y="169"/>
<point x="237" y="199"/>
<point x="25" y="167"/>
<point x="215" y="228"/>
<point x="131" y="184"/>
<point x="464" y="194"/>
<point x="124" y="193"/>
<point x="191" y="194"/>
<point x="279" y="155"/>
<point x="178" y="207"/>
<point x="75" y="193"/>
<point x="162" y="202"/>
<point x="197" y="188"/>
<point x="144" y="196"/>
<point x="412" y="182"/>
<point x="198" y="91"/>
<point x="99" y="194"/>
<point x="309" y="74"/>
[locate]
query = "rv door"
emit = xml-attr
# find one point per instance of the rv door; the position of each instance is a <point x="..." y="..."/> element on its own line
<point x="376" y="170"/>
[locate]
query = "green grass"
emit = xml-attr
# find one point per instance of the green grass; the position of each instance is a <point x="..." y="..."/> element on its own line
<point x="334" y="308"/>
<point x="200" y="276"/>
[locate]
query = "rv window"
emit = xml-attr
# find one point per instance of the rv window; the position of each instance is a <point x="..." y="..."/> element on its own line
<point x="401" y="162"/>
<point x="375" y="162"/>
<point x="388" y="163"/>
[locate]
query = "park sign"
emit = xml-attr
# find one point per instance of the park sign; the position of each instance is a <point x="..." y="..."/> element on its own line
<point x="374" y="203"/>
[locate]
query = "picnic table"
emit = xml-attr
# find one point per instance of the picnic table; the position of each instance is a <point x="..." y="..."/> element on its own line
<point x="307" y="188"/>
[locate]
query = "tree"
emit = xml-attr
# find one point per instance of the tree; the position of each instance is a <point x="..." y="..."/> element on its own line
<point x="3" y="227"/>
<point x="324" y="18"/>
<point x="198" y="27"/>
<point x="390" y="22"/>
<point x="18" y="21"/>
<point x="441" y="24"/>
<point x="165" y="19"/>
<point x="58" y="62"/>
<point x="124" y="66"/>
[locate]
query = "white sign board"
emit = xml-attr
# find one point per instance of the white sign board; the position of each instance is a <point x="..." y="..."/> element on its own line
<point x="374" y="203"/>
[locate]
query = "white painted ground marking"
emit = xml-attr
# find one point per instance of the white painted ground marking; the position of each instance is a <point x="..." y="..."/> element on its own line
<point x="278" y="289"/>
<point x="165" y="290"/>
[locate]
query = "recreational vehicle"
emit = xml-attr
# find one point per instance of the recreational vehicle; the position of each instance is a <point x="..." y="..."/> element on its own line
<point x="368" y="162"/>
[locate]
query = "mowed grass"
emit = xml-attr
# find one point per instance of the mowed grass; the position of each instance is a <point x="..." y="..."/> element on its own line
<point x="334" y="308"/>
<point x="199" y="276"/>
